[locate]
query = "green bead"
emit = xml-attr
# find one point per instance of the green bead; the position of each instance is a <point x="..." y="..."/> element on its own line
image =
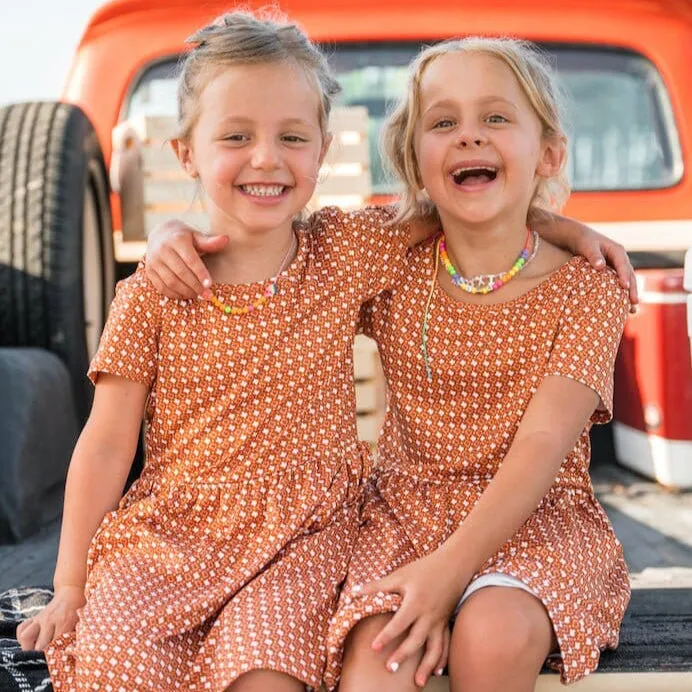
<point x="227" y="310"/>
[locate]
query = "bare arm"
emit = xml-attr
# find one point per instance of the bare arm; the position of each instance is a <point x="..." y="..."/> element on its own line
<point x="98" y="470"/>
<point x="553" y="421"/>
<point x="549" y="429"/>
<point x="579" y="239"/>
<point x="100" y="464"/>
<point x="174" y="250"/>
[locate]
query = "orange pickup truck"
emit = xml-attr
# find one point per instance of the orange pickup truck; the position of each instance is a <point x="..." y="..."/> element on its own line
<point x="72" y="171"/>
<point x="625" y="66"/>
<point x="64" y="238"/>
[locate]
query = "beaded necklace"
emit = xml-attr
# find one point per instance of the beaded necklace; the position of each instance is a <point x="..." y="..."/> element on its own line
<point x="487" y="283"/>
<point x="271" y="290"/>
<point x="483" y="283"/>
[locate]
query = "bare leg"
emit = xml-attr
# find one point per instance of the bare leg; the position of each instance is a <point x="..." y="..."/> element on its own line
<point x="266" y="681"/>
<point x="364" y="669"/>
<point x="500" y="640"/>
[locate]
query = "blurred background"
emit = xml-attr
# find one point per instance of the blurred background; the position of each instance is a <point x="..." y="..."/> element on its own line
<point x="30" y="73"/>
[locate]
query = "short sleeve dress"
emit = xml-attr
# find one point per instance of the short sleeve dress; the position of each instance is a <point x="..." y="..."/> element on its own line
<point x="227" y="554"/>
<point x="443" y="440"/>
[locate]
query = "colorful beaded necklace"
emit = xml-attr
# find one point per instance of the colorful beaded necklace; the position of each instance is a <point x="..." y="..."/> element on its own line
<point x="484" y="283"/>
<point x="271" y="290"/>
<point x="487" y="283"/>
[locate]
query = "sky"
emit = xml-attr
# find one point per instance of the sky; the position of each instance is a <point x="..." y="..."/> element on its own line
<point x="37" y="41"/>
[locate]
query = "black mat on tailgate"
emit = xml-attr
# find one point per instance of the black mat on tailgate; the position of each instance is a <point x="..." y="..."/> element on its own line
<point x="656" y="637"/>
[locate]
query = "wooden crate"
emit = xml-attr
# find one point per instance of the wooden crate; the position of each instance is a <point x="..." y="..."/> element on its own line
<point x="370" y="389"/>
<point x="165" y="191"/>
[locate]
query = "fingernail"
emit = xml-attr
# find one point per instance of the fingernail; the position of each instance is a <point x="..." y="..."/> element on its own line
<point x="357" y="588"/>
<point x="206" y="283"/>
<point x="440" y="672"/>
<point x="394" y="666"/>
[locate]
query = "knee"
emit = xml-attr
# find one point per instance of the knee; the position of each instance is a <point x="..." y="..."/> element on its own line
<point x="363" y="668"/>
<point x="358" y="657"/>
<point x="487" y="632"/>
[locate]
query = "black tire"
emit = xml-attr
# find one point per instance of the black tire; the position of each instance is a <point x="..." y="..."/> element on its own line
<point x="56" y="242"/>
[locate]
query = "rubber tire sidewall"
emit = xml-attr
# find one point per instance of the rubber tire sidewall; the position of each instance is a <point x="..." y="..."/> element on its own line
<point x="50" y="158"/>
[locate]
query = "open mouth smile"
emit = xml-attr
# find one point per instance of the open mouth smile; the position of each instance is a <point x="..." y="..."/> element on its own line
<point x="472" y="176"/>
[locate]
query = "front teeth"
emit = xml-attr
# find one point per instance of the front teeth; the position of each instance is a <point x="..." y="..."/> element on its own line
<point x="263" y="190"/>
<point x="489" y="169"/>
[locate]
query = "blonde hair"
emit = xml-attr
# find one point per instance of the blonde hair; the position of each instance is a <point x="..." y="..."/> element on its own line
<point x="536" y="78"/>
<point x="244" y="38"/>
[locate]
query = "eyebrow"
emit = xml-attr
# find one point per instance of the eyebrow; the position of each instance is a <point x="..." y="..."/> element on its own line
<point x="446" y="103"/>
<point x="233" y="119"/>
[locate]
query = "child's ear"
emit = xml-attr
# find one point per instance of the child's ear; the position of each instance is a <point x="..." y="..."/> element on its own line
<point x="183" y="152"/>
<point x="553" y="156"/>
<point x="328" y="138"/>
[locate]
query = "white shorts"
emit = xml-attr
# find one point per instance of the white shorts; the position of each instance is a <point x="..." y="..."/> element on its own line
<point x="497" y="579"/>
<point x="492" y="579"/>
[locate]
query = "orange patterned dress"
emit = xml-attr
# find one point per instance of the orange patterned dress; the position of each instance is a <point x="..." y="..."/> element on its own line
<point x="443" y="440"/>
<point x="227" y="554"/>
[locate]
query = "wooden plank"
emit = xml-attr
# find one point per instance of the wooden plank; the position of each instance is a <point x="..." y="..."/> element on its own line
<point x="345" y="201"/>
<point x="365" y="358"/>
<point x="367" y="397"/>
<point x="184" y="191"/>
<point x="348" y="118"/>
<point x="337" y="185"/>
<point x="357" y="151"/>
<point x="198" y="219"/>
<point x="368" y="427"/>
<point x="154" y="128"/>
<point x="600" y="682"/>
<point x="159" y="158"/>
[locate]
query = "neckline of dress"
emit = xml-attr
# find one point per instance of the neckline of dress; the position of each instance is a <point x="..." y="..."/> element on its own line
<point x="292" y="273"/>
<point x="552" y="278"/>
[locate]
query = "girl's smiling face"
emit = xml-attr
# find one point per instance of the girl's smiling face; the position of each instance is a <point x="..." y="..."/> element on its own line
<point x="257" y="145"/>
<point x="479" y="143"/>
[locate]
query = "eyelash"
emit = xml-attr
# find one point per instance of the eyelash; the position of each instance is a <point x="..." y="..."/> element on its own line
<point x="289" y="139"/>
<point x="446" y="122"/>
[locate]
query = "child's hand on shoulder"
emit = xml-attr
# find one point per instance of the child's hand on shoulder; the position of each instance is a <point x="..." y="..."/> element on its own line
<point x="430" y="589"/>
<point x="58" y="617"/>
<point x="173" y="261"/>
